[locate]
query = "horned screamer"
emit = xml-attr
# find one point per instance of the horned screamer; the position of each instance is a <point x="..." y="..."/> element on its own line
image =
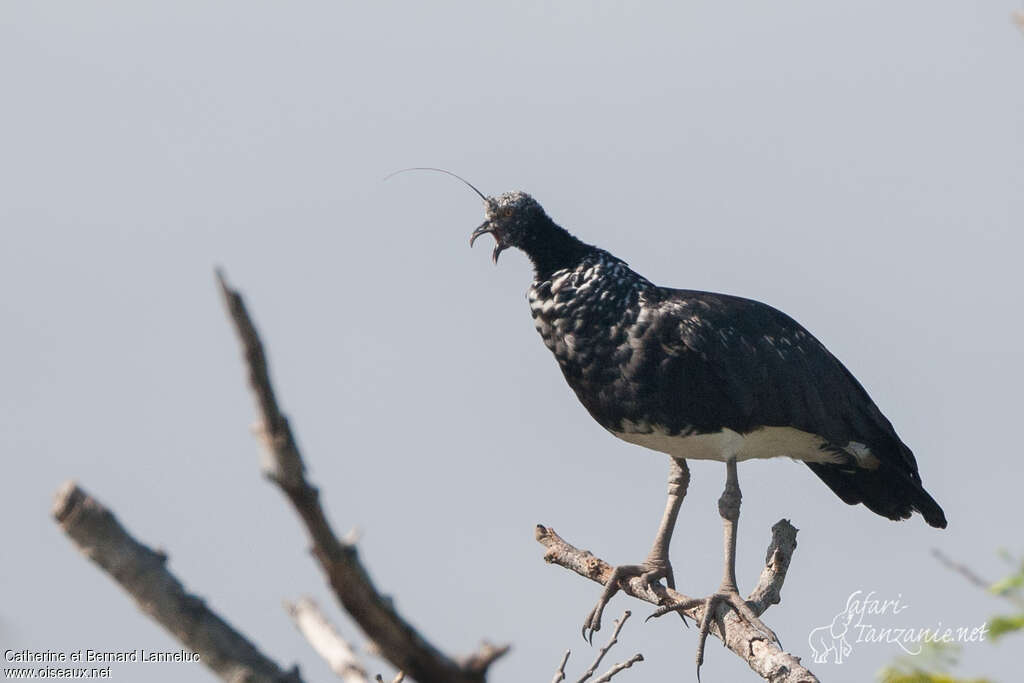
<point x="699" y="375"/>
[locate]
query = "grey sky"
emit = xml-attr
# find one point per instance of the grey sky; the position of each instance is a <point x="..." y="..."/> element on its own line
<point x="858" y="165"/>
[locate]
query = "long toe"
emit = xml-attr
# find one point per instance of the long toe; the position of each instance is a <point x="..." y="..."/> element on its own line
<point x="705" y="629"/>
<point x="592" y="623"/>
<point x="713" y="615"/>
<point x="676" y="607"/>
<point x="648" y="572"/>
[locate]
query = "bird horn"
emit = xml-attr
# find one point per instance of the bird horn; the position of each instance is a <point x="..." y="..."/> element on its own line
<point x="439" y="170"/>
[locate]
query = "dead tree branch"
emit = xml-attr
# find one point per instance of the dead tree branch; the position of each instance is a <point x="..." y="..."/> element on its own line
<point x="560" y="673"/>
<point x="399" y="642"/>
<point x="612" y="642"/>
<point x="143" y="573"/>
<point x="606" y="676"/>
<point x="326" y="641"/>
<point x="621" y="666"/>
<point x="976" y="580"/>
<point x="763" y="656"/>
<point x="961" y="569"/>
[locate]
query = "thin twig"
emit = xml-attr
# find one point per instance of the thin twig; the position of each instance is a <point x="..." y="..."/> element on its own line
<point x="621" y="666"/>
<point x="143" y="573"/>
<point x="973" y="578"/>
<point x="608" y="646"/>
<point x="762" y="655"/>
<point x="560" y="674"/>
<point x="399" y="642"/>
<point x="326" y="641"/>
<point x="961" y="569"/>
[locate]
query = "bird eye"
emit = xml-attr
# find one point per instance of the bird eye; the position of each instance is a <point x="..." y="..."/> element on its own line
<point x="507" y="213"/>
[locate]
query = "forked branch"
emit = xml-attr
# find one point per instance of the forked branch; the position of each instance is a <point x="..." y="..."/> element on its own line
<point x="592" y="670"/>
<point x="397" y="640"/>
<point x="765" y="657"/>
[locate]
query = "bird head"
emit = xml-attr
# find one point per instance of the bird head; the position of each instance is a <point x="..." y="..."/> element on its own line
<point x="513" y="220"/>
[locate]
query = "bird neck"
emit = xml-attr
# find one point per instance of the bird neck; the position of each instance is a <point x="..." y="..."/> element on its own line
<point x="552" y="247"/>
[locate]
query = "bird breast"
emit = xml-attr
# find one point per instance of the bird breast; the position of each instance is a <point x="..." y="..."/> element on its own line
<point x="584" y="314"/>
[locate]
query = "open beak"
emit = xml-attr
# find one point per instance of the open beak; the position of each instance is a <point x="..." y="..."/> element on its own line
<point x="484" y="229"/>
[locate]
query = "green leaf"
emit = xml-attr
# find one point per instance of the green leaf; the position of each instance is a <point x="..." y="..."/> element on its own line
<point x="931" y="666"/>
<point x="1001" y="625"/>
<point x="1010" y="584"/>
<point x="895" y="676"/>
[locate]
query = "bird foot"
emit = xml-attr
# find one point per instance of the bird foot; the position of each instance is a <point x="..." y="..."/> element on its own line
<point x="726" y="597"/>
<point x="650" y="572"/>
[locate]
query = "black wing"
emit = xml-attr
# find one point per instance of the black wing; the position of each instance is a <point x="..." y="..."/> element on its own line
<point x="721" y="361"/>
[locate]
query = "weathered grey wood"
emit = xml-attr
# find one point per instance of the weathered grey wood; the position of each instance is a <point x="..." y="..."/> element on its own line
<point x="763" y="656"/>
<point x="143" y="573"/>
<point x="398" y="641"/>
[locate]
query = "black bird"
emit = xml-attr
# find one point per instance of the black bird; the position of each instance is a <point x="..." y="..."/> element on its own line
<point x="704" y="376"/>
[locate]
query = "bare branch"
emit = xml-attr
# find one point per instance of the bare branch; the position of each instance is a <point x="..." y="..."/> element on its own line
<point x="484" y="656"/>
<point x="972" y="577"/>
<point x="143" y="573"/>
<point x="399" y="642"/>
<point x="326" y="640"/>
<point x="560" y="674"/>
<point x="608" y="646"/>
<point x="621" y="666"/>
<point x="607" y="676"/>
<point x="765" y="657"/>
<point x="961" y="569"/>
<point x="768" y="590"/>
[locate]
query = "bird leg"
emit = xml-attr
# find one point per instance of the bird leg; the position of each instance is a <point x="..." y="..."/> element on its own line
<point x="657" y="565"/>
<point x="728" y="594"/>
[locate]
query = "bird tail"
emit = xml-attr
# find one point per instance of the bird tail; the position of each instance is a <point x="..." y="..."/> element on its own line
<point x="885" y="490"/>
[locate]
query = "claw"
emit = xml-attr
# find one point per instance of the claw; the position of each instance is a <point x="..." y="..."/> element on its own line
<point x="732" y="600"/>
<point x="649" y="572"/>
<point x="593" y="621"/>
<point x="589" y="626"/>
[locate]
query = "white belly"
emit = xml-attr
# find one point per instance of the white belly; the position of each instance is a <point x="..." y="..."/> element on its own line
<point x="766" y="442"/>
